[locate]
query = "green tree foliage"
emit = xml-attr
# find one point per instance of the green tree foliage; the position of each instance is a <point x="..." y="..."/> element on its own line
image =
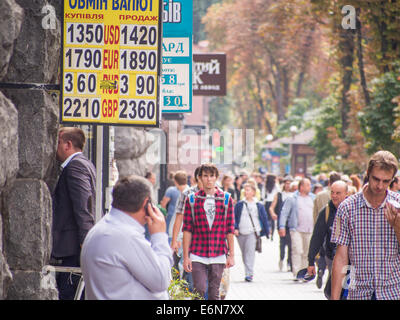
<point x="378" y="119"/>
<point x="296" y="116"/>
<point x="326" y="116"/>
<point x="270" y="47"/>
<point x="364" y="96"/>
<point x="219" y="113"/>
<point x="199" y="10"/>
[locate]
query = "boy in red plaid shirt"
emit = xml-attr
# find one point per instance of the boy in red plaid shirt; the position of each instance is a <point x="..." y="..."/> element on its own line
<point x="205" y="237"/>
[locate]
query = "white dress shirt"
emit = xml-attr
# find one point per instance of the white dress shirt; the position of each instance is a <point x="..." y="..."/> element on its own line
<point x="118" y="263"/>
<point x="65" y="163"/>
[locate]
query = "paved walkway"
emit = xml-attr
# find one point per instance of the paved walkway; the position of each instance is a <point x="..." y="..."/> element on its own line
<point x="269" y="283"/>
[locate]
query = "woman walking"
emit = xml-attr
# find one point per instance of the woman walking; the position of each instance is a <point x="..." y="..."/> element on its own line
<point x="271" y="189"/>
<point x="275" y="211"/>
<point x="250" y="219"/>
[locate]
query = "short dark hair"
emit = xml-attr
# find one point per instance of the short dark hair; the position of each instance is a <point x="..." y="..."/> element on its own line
<point x="333" y="177"/>
<point x="384" y="160"/>
<point x="196" y="174"/>
<point x="208" y="167"/>
<point x="73" y="134"/>
<point x="148" y="174"/>
<point x="130" y="192"/>
<point x="270" y="182"/>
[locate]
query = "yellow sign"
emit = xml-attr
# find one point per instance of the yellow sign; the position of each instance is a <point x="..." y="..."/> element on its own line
<point x="111" y="62"/>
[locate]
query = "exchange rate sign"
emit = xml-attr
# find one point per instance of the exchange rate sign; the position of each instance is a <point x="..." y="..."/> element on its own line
<point x="176" y="80"/>
<point x="111" y="62"/>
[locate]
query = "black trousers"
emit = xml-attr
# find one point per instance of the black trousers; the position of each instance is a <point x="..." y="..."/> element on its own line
<point x="67" y="283"/>
<point x="283" y="242"/>
<point x="270" y="220"/>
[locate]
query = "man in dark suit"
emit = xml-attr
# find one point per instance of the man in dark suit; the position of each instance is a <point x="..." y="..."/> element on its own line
<point x="74" y="205"/>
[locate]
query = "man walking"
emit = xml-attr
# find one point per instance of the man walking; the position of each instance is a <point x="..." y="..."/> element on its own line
<point x="206" y="230"/>
<point x="367" y="233"/>
<point x="320" y="202"/>
<point x="118" y="262"/>
<point x="74" y="204"/>
<point x="171" y="197"/>
<point x="297" y="211"/>
<point x="177" y="235"/>
<point x="321" y="237"/>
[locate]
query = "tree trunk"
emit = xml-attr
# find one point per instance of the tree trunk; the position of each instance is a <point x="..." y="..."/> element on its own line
<point x="346" y="48"/>
<point x="300" y="84"/>
<point x="286" y="90"/>
<point x="278" y="89"/>
<point x="361" y="59"/>
<point x="305" y="59"/>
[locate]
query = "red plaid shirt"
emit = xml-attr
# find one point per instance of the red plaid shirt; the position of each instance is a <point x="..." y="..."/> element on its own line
<point x="205" y="242"/>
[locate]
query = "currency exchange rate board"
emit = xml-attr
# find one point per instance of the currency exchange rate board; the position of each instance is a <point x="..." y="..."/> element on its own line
<point x="111" y="62"/>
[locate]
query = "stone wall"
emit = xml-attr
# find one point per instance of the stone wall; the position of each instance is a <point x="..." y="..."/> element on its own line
<point x="130" y="151"/>
<point x="28" y="139"/>
<point x="28" y="136"/>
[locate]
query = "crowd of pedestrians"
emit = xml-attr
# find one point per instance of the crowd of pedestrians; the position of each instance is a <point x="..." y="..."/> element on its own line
<point x="330" y="222"/>
<point x="303" y="210"/>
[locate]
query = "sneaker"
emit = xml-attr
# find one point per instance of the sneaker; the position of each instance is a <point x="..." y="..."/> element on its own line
<point x="248" y="278"/>
<point x="280" y="265"/>
<point x="319" y="279"/>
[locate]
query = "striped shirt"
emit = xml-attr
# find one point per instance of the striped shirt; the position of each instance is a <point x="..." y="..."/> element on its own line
<point x="372" y="246"/>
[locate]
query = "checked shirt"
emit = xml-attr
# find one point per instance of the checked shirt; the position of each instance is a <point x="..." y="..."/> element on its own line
<point x="372" y="246"/>
<point x="208" y="242"/>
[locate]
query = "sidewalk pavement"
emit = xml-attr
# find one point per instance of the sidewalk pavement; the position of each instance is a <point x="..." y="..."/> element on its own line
<point x="269" y="283"/>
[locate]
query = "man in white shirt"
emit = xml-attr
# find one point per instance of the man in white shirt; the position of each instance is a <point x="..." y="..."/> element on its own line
<point x="297" y="212"/>
<point x="117" y="261"/>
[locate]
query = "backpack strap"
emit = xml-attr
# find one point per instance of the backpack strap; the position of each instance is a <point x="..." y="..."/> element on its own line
<point x="191" y="202"/>
<point x="225" y="199"/>
<point x="227" y="196"/>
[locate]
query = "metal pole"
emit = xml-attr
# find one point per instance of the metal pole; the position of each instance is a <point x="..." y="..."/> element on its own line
<point x="99" y="172"/>
<point x="163" y="168"/>
<point x="106" y="167"/>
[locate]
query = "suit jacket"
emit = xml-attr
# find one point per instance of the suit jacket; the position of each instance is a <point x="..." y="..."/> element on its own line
<point x="74" y="206"/>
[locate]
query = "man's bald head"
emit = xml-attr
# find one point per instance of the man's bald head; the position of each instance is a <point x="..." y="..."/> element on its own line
<point x="339" y="191"/>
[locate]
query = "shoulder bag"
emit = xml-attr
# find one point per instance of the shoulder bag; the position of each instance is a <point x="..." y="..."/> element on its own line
<point x="258" y="238"/>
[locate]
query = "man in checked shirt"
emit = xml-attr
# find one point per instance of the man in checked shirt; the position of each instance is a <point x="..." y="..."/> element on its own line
<point x="206" y="237"/>
<point x="367" y="232"/>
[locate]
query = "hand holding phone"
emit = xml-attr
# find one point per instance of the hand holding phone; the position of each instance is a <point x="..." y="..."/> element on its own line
<point x="155" y="219"/>
<point x="392" y="214"/>
<point x="146" y="207"/>
<point x="394" y="203"/>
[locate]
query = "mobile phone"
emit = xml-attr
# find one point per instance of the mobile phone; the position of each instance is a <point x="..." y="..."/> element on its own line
<point x="146" y="207"/>
<point x="394" y="203"/>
